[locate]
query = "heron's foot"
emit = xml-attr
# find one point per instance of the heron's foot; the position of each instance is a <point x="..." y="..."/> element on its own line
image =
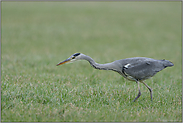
<point x="150" y="90"/>
<point x="151" y="97"/>
<point x="137" y="96"/>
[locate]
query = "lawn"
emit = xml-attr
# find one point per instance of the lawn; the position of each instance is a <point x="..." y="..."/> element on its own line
<point x="38" y="35"/>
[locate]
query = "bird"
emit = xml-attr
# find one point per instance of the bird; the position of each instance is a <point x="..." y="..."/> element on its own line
<point x="136" y="69"/>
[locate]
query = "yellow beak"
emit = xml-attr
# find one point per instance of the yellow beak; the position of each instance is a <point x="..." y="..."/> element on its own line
<point x="63" y="62"/>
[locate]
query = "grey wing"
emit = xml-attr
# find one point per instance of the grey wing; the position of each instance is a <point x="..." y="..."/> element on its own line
<point x="142" y="70"/>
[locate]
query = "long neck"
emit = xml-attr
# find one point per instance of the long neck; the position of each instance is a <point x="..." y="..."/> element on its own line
<point x="108" y="66"/>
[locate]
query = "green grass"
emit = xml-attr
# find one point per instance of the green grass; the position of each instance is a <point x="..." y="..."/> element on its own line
<point x="38" y="35"/>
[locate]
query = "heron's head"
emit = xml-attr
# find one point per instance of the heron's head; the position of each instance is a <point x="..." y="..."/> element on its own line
<point x="72" y="58"/>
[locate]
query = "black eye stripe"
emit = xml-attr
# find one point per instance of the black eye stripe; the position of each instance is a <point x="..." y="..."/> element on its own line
<point x="76" y="54"/>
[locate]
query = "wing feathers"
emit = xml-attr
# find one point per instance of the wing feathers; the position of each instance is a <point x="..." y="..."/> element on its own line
<point x="142" y="70"/>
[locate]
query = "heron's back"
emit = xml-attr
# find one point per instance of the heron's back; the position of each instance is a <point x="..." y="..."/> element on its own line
<point x="141" y="68"/>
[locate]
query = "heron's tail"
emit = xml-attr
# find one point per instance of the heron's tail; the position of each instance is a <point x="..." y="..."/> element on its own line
<point x="167" y="63"/>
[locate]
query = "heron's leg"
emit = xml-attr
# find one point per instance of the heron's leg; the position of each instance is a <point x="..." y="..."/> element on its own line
<point x="138" y="93"/>
<point x="149" y="89"/>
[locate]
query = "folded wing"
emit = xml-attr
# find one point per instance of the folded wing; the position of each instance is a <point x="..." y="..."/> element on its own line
<point x="142" y="70"/>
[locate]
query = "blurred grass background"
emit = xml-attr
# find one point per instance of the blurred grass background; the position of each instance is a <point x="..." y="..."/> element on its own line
<point x="38" y="35"/>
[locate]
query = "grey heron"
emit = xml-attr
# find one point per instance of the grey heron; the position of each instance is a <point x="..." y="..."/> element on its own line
<point x="135" y="69"/>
